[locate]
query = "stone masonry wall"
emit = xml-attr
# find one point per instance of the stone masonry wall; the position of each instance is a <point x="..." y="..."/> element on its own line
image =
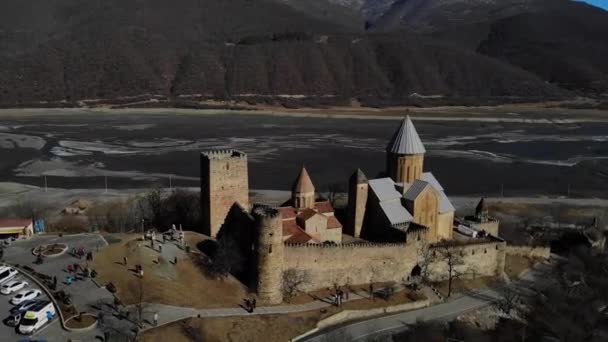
<point x="224" y="181"/>
<point x="352" y="264"/>
<point x="483" y="259"/>
<point x="529" y="251"/>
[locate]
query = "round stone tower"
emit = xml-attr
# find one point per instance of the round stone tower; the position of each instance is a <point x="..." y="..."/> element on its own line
<point x="269" y="253"/>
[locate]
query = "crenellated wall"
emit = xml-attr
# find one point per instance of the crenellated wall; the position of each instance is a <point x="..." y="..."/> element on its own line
<point x="326" y="265"/>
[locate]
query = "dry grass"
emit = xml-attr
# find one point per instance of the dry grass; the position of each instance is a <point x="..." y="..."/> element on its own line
<point x="263" y="328"/>
<point x="462" y="285"/>
<point x="246" y="328"/>
<point x="183" y="284"/>
<point x="515" y="265"/>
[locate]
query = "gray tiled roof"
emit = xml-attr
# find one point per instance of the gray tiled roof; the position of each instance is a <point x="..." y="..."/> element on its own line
<point x="406" y="139"/>
<point x="415" y="189"/>
<point x="444" y="202"/>
<point x="384" y="188"/>
<point x="395" y="212"/>
<point x="430" y="178"/>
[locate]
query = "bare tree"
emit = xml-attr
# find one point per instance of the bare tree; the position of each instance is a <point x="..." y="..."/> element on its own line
<point x="293" y="282"/>
<point x="425" y="258"/>
<point x="453" y="259"/>
<point x="137" y="290"/>
<point x="335" y="192"/>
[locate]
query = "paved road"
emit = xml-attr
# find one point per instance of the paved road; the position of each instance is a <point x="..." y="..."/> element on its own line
<point x="448" y="310"/>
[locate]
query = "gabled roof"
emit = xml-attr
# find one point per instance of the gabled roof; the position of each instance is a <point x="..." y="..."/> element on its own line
<point x="415" y="189"/>
<point x="406" y="139"/>
<point x="303" y="183"/>
<point x="444" y="202"/>
<point x="287" y="213"/>
<point x="395" y="212"/>
<point x="324" y="207"/>
<point x="358" y="177"/>
<point x="307" y="214"/>
<point x="384" y="188"/>
<point x="333" y="223"/>
<point x="430" y="178"/>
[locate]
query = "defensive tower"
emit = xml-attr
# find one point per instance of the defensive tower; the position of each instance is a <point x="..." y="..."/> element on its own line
<point x="405" y="154"/>
<point x="224" y="182"/>
<point x="357" y="202"/>
<point x="269" y="251"/>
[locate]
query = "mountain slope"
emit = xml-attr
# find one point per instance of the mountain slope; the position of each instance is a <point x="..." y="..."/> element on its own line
<point x="69" y="49"/>
<point x="561" y="41"/>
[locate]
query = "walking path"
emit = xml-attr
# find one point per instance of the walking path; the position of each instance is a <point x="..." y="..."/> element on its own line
<point x="168" y="314"/>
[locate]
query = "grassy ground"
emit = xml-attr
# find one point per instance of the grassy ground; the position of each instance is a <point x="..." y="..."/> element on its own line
<point x="163" y="282"/>
<point x="260" y="328"/>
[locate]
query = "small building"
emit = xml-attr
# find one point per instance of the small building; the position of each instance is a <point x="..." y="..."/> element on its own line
<point x="16" y="227"/>
<point x="306" y="220"/>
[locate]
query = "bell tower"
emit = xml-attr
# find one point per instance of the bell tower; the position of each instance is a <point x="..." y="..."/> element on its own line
<point x="303" y="191"/>
<point x="405" y="154"/>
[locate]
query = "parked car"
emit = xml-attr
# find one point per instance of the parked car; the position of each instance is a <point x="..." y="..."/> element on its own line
<point x="13" y="286"/>
<point x="7" y="273"/>
<point x="24" y="295"/>
<point x="24" y="305"/>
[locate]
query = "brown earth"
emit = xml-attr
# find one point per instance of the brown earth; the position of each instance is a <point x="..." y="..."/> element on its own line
<point x="163" y="283"/>
<point x="515" y="265"/>
<point x="80" y="322"/>
<point x="460" y="285"/>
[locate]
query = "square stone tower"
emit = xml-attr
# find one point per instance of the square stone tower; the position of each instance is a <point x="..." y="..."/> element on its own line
<point x="224" y="182"/>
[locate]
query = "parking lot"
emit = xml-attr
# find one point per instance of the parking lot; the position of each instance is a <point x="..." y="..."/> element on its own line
<point x="85" y="293"/>
<point x="8" y="333"/>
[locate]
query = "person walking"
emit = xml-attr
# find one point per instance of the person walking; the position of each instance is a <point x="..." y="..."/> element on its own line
<point x="124" y="260"/>
<point x="155" y="318"/>
<point x="100" y="318"/>
<point x="254" y="303"/>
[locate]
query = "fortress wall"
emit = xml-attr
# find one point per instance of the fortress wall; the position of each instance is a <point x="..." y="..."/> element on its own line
<point x="484" y="259"/>
<point x="529" y="251"/>
<point x="350" y="264"/>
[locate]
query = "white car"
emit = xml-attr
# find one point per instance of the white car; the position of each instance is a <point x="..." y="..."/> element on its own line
<point x="7" y="273"/>
<point x="25" y="295"/>
<point x="13" y="286"/>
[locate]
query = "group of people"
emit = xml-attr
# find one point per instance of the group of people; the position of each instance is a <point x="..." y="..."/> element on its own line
<point x="81" y="252"/>
<point x="339" y="296"/>
<point x="250" y="304"/>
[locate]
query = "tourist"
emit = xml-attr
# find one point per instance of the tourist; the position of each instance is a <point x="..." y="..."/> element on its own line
<point x="160" y="248"/>
<point x="175" y="261"/>
<point x="155" y="318"/>
<point x="70" y="268"/>
<point x="141" y="272"/>
<point x="124" y="261"/>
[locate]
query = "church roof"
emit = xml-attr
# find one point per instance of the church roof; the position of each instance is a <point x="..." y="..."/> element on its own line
<point x="395" y="212"/>
<point x="358" y="177"/>
<point x="415" y="190"/>
<point x="481" y="206"/>
<point x="384" y="188"/>
<point x="444" y="202"/>
<point x="303" y="184"/>
<point x="406" y="139"/>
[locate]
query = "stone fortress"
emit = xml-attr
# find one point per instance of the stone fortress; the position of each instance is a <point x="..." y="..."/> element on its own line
<point x="393" y="225"/>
